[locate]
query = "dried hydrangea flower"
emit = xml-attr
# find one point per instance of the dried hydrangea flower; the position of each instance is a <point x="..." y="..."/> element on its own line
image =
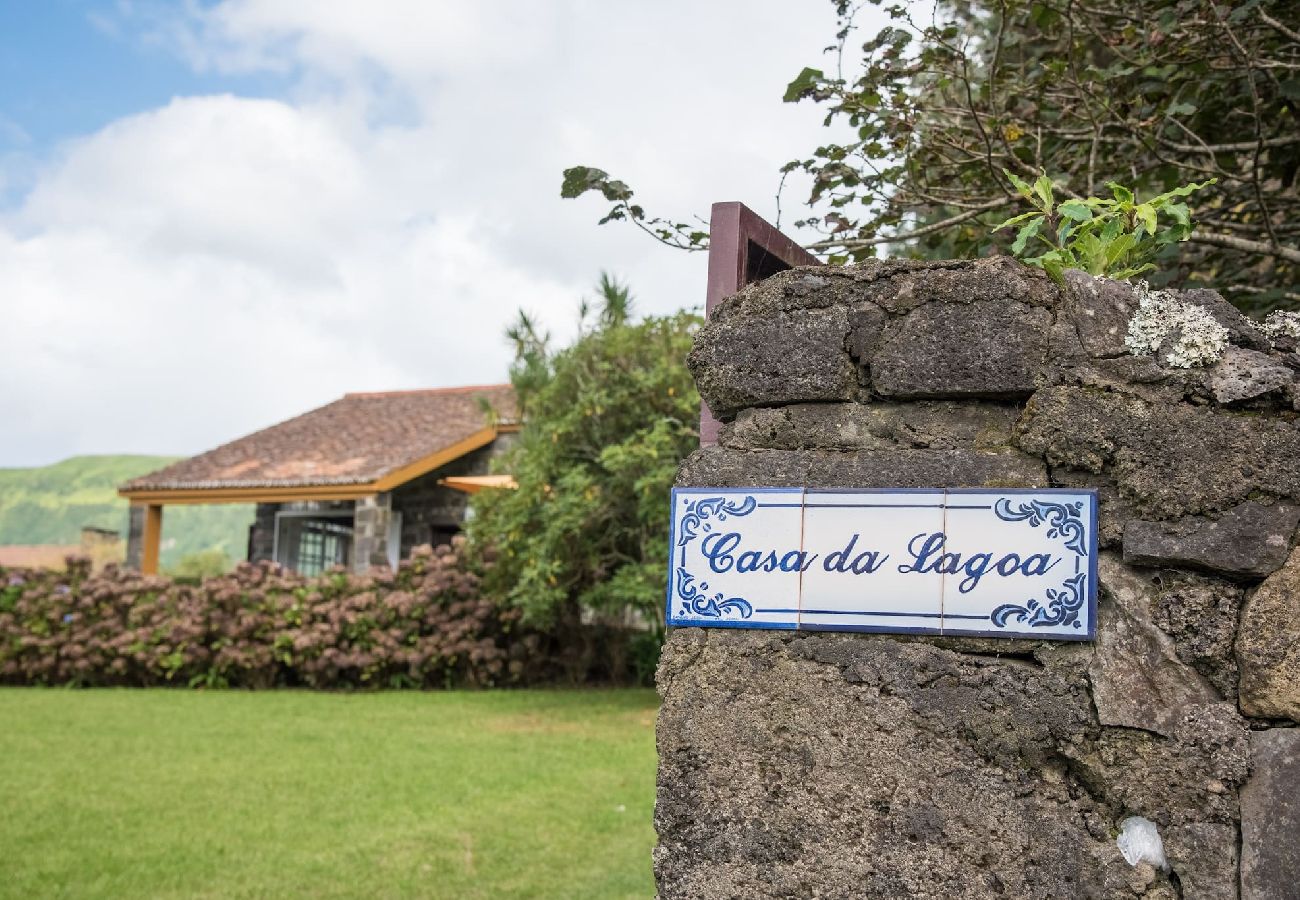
<point x="1197" y="339"/>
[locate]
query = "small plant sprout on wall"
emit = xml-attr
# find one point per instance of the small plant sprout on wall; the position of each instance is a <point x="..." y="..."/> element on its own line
<point x="1116" y="238"/>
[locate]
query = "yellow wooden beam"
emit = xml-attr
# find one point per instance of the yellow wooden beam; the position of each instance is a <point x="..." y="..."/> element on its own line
<point x="472" y="484"/>
<point x="251" y="494"/>
<point x="152" y="542"/>
<point x="434" y="460"/>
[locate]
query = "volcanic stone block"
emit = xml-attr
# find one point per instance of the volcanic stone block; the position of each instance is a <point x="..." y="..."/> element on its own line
<point x="1170" y="459"/>
<point x="1138" y="681"/>
<point x="721" y="467"/>
<point x="1205" y="857"/>
<point x="785" y="357"/>
<point x="997" y="280"/>
<point x="1100" y="310"/>
<point x="1188" y="777"/>
<point x="1247" y="374"/>
<point x="1267" y="650"/>
<point x="982" y="349"/>
<point x="1270" y="817"/>
<point x="936" y="424"/>
<point x="1248" y="541"/>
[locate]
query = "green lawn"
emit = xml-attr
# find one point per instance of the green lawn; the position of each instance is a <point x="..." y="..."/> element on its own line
<point x="170" y="793"/>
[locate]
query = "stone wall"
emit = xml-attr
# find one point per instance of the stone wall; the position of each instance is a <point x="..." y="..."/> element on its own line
<point x="261" y="533"/>
<point x="372" y="517"/>
<point x="849" y="765"/>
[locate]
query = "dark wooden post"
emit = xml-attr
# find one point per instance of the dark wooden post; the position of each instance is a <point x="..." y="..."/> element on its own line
<point x="743" y="248"/>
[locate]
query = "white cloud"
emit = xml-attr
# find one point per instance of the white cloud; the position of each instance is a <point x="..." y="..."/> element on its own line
<point x="193" y="272"/>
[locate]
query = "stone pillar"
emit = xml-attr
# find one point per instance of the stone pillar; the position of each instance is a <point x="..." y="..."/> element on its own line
<point x="261" y="533"/>
<point x="809" y="764"/>
<point x="144" y="537"/>
<point x="134" y="535"/>
<point x="370" y="525"/>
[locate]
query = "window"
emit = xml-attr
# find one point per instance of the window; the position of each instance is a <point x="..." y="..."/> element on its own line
<point x="322" y="544"/>
<point x="309" y="542"/>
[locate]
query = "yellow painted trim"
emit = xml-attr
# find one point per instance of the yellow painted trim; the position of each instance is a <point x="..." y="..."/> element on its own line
<point x="251" y="494"/>
<point x="316" y="492"/>
<point x="472" y="484"/>
<point x="434" y="460"/>
<point x="152" y="539"/>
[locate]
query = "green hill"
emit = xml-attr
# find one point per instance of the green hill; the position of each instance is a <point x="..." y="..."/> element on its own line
<point x="51" y="504"/>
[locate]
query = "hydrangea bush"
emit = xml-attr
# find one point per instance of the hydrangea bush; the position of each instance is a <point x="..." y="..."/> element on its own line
<point x="423" y="625"/>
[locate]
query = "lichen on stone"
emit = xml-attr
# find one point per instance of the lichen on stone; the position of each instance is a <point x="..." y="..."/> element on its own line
<point x="1280" y="323"/>
<point x="1188" y="333"/>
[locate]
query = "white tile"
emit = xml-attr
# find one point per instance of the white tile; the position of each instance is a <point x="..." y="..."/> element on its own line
<point x="858" y="579"/>
<point x="731" y="556"/>
<point x="1019" y="564"/>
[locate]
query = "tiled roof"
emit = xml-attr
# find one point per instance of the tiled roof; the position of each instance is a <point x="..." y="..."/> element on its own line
<point x="355" y="440"/>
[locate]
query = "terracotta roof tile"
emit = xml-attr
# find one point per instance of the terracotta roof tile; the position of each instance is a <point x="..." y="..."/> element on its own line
<point x="357" y="439"/>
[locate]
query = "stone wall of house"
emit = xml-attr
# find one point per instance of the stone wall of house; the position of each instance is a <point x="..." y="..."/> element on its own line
<point x="261" y="533"/>
<point x="134" y="536"/>
<point x="432" y="513"/>
<point x="850" y="765"/>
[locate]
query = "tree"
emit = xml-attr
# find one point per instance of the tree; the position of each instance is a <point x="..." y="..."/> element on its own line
<point x="1154" y="95"/>
<point x="606" y="422"/>
<point x="202" y="564"/>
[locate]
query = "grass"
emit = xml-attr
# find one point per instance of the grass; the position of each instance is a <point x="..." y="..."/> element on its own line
<point x="168" y="793"/>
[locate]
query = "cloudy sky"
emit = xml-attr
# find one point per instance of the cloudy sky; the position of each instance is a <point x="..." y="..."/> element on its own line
<point x="214" y="216"/>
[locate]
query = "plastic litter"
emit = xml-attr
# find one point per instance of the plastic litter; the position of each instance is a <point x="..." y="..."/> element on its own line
<point x="1140" y="842"/>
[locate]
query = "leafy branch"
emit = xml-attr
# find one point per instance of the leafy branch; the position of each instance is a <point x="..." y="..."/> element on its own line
<point x="578" y="180"/>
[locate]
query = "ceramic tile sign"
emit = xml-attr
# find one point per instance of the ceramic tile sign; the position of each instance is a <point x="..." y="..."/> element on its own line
<point x="998" y="563"/>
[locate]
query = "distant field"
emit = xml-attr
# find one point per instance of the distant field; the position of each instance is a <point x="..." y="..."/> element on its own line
<point x="180" y="794"/>
<point x="51" y="504"/>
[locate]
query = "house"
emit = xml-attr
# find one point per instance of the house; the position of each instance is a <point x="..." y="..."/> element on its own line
<point x="358" y="482"/>
<point x="100" y="545"/>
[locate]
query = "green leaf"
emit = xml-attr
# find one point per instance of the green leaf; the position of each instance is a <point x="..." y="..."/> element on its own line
<point x="1020" y="185"/>
<point x="1043" y="188"/>
<point x="805" y="81"/>
<point x="1116" y="250"/>
<point x="1017" y="220"/>
<point x="1054" y="265"/>
<point x="1181" y="109"/>
<point x="1025" y="235"/>
<point x="1121" y="193"/>
<point x="1180" y="213"/>
<point x="1174" y="234"/>
<point x="1125" y="274"/>
<point x="1146" y="214"/>
<point x="1183" y="190"/>
<point x="580" y="179"/>
<point x="1077" y="210"/>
